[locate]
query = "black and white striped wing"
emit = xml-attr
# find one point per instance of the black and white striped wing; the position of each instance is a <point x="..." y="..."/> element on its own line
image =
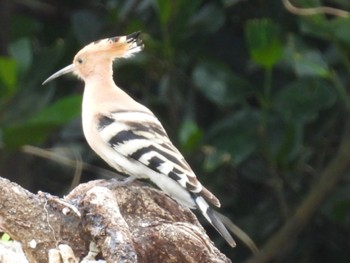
<point x="141" y="137"/>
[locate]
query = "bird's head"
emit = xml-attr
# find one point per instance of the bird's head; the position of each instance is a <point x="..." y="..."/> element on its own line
<point x="101" y="52"/>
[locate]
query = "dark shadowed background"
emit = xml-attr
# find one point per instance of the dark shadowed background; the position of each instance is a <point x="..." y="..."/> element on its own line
<point x="256" y="98"/>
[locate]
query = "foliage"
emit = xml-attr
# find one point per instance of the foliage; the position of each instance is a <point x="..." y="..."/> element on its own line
<point x="255" y="97"/>
<point x="5" y="237"/>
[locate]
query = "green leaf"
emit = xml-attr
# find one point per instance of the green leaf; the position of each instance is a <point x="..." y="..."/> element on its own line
<point x="37" y="128"/>
<point x="311" y="63"/>
<point x="303" y="99"/>
<point x="8" y="75"/>
<point x="5" y="237"/>
<point x="164" y="9"/>
<point x="60" y="112"/>
<point x="27" y="133"/>
<point x="24" y="26"/>
<point x="208" y="19"/>
<point x="220" y="85"/>
<point x="316" y="26"/>
<point x="21" y="51"/>
<point x="304" y="61"/>
<point x="236" y="135"/>
<point x="263" y="41"/>
<point x="215" y="158"/>
<point x="189" y="135"/>
<point x="339" y="29"/>
<point x="289" y="142"/>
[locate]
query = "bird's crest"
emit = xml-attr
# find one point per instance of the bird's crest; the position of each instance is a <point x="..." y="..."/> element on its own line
<point x="120" y="46"/>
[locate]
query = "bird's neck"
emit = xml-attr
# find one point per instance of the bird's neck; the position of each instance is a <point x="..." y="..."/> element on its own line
<point x="101" y="73"/>
<point x="101" y="90"/>
<point x="99" y="84"/>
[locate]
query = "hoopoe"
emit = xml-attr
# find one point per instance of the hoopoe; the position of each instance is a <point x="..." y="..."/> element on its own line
<point x="127" y="135"/>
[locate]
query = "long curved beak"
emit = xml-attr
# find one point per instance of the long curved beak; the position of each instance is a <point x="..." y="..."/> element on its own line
<point x="59" y="73"/>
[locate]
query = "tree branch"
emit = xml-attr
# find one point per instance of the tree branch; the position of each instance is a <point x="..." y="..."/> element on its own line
<point x="314" y="11"/>
<point x="133" y="222"/>
<point x="304" y="213"/>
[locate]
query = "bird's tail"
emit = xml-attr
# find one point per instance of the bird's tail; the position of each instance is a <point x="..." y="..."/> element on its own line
<point x="213" y="219"/>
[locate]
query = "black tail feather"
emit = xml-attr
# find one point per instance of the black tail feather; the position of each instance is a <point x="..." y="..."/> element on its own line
<point x="220" y="227"/>
<point x="213" y="219"/>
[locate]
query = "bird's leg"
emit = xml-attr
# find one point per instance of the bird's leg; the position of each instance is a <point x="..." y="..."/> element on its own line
<point x="123" y="182"/>
<point x="93" y="252"/>
<point x="128" y="180"/>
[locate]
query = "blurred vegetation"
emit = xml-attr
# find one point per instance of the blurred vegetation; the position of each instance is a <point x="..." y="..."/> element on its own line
<point x="257" y="99"/>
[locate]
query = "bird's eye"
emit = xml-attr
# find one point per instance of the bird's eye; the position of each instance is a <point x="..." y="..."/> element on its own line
<point x="80" y="60"/>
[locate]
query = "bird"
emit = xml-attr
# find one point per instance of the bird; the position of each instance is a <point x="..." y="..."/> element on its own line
<point x="127" y="135"/>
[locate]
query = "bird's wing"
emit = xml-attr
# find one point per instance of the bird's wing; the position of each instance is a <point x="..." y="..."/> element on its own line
<point x="141" y="137"/>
